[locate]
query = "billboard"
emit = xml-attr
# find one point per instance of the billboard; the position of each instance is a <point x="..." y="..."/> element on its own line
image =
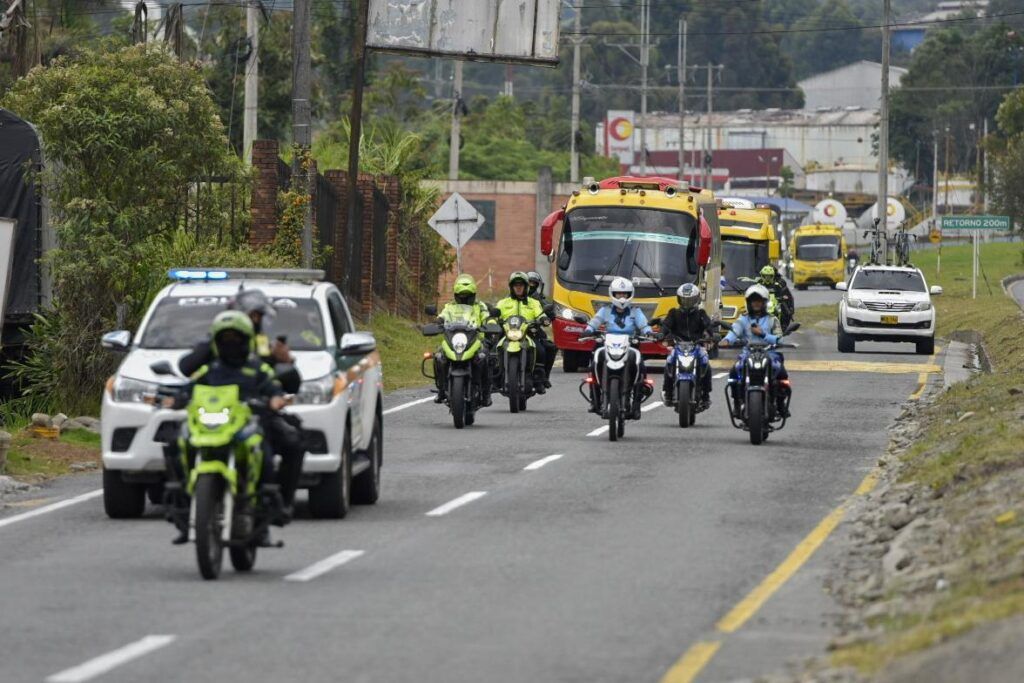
<point x="618" y="135"/>
<point x="524" y="31"/>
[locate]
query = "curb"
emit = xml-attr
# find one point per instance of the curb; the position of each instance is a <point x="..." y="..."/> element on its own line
<point x="1009" y="280"/>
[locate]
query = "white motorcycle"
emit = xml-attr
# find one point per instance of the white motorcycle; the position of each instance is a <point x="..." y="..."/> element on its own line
<point x="617" y="383"/>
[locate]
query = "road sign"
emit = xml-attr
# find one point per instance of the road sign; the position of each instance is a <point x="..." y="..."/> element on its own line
<point x="975" y="222"/>
<point x="456" y="221"/>
<point x="935" y="236"/>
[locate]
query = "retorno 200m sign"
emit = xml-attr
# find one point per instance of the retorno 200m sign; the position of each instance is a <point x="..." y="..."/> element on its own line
<point x="487" y="30"/>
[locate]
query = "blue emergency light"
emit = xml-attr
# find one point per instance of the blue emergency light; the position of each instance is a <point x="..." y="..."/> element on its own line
<point x="193" y="274"/>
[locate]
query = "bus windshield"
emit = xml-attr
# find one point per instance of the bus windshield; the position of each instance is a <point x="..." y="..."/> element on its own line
<point x="817" y="248"/>
<point x="653" y="248"/>
<point x="743" y="262"/>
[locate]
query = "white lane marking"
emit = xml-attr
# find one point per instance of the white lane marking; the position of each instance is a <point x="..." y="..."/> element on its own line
<point x="325" y="565"/>
<point x="457" y="503"/>
<point x="410" y="404"/>
<point x="104" y="663"/>
<point x="601" y="430"/>
<point x="51" y="507"/>
<point x="720" y="375"/>
<point x="537" y="464"/>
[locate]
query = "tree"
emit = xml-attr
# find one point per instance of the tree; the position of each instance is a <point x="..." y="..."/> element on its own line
<point x="815" y="52"/>
<point x="1007" y="150"/>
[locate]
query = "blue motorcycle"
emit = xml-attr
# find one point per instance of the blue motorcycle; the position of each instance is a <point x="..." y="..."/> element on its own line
<point x="690" y="374"/>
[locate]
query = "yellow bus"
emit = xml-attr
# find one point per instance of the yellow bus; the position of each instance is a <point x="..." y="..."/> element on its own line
<point x="655" y="232"/>
<point x="819" y="255"/>
<point x="749" y="243"/>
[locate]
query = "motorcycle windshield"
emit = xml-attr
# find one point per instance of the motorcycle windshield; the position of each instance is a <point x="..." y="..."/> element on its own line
<point x="459" y="317"/>
<point x="215" y="415"/>
<point x="655" y="249"/>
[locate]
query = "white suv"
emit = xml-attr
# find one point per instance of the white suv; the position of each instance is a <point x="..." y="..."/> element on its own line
<point x="339" y="400"/>
<point x="887" y="303"/>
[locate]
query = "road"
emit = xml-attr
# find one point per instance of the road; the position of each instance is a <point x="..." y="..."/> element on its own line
<point x="815" y="296"/>
<point x="607" y="563"/>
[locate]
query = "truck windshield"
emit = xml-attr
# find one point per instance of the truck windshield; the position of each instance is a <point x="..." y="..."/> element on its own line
<point x="655" y="249"/>
<point x="892" y="280"/>
<point x="743" y="262"/>
<point x="817" y="248"/>
<point x="181" y="322"/>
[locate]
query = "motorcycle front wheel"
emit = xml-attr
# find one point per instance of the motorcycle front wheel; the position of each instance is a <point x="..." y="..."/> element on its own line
<point x="614" y="407"/>
<point x="756" y="416"/>
<point x="512" y="373"/>
<point x="458" y="401"/>
<point x="209" y="501"/>
<point x="684" y="407"/>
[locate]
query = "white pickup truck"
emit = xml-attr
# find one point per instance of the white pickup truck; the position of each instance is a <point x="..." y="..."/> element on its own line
<point x="339" y="400"/>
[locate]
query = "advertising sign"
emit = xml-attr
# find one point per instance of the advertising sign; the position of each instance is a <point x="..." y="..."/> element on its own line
<point x="619" y="126"/>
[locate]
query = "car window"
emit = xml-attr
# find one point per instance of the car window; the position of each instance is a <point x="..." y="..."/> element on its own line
<point x="339" y="318"/>
<point x="180" y="322"/>
<point x="892" y="280"/>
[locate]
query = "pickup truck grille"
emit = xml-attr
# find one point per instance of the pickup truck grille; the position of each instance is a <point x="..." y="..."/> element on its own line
<point x="886" y="306"/>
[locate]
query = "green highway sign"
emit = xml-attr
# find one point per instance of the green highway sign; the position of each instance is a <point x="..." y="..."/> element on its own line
<point x="975" y="222"/>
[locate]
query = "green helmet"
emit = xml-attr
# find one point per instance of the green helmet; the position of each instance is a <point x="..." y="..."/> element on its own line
<point x="232" y="321"/>
<point x="768" y="274"/>
<point x="464" y="284"/>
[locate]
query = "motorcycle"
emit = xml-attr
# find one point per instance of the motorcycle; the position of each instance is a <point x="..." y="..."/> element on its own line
<point x="224" y="457"/>
<point x="689" y="376"/>
<point x="517" y="354"/>
<point x="753" y="398"/>
<point x="460" y="346"/>
<point x="615" y="381"/>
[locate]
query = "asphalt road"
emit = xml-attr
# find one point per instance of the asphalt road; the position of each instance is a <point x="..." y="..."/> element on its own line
<point x="815" y="296"/>
<point x="605" y="564"/>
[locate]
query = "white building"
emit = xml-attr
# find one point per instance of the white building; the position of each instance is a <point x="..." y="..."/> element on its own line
<point x="854" y="85"/>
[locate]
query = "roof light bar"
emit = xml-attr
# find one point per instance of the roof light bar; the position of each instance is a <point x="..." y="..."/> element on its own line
<point x="207" y="274"/>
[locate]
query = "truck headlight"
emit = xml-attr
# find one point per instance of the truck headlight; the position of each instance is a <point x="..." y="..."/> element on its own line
<point x="316" y="391"/>
<point x="923" y="306"/>
<point x="128" y="390"/>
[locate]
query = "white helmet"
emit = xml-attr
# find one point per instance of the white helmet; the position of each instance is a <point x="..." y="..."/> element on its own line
<point x="759" y="291"/>
<point x="621" y="285"/>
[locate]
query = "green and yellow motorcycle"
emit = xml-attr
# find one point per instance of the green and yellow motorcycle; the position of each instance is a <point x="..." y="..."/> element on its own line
<point x="517" y="355"/>
<point x="462" y="351"/>
<point x="223" y="454"/>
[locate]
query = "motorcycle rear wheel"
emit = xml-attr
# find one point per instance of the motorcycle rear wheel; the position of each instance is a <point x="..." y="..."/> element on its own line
<point x="209" y="497"/>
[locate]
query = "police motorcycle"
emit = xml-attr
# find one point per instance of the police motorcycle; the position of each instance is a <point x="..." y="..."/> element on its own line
<point x="223" y="456"/>
<point x="460" y="346"/>
<point x="616" y="384"/>
<point x="516" y="353"/>
<point x="752" y="398"/>
<point x="689" y="375"/>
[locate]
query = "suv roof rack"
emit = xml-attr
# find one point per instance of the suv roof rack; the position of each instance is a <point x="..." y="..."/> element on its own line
<point x="208" y="274"/>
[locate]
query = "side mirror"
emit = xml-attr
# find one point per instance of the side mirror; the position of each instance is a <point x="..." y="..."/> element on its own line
<point x="162" y="368"/>
<point x="774" y="250"/>
<point x="654" y="321"/>
<point x="491" y="328"/>
<point x="120" y="340"/>
<point x="547" y="231"/>
<point x="431" y="329"/>
<point x="494" y="311"/>
<point x="842" y="286"/>
<point x="793" y="327"/>
<point x="935" y="289"/>
<point x="582" y="319"/>
<point x="357" y="343"/>
<point x="430" y="310"/>
<point x="549" y="310"/>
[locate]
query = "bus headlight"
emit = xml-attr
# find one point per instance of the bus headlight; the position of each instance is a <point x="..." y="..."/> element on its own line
<point x="566" y="313"/>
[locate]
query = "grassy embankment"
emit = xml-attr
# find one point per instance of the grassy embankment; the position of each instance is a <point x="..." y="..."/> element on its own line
<point x="36" y="460"/>
<point x="401" y="349"/>
<point x="961" y="457"/>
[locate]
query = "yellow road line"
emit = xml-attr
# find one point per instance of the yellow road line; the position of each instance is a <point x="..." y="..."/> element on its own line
<point x="922" y="379"/>
<point x="847" y="366"/>
<point x="691" y="663"/>
<point x="867" y="485"/>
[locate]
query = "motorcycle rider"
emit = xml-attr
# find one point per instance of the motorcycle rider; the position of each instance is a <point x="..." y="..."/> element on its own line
<point x="620" y="317"/>
<point x="540" y="337"/>
<point x="757" y="325"/>
<point x="776" y="285"/>
<point x="234" y="362"/>
<point x="464" y="294"/>
<point x="688" y="322"/>
<point x="282" y="430"/>
<point x="519" y="302"/>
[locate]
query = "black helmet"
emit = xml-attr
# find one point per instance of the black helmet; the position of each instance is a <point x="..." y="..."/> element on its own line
<point x="254" y="301"/>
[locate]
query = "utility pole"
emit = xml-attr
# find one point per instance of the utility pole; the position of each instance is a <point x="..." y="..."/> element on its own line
<point x="301" y="116"/>
<point x="681" y="72"/>
<point x="945" y="201"/>
<point x="252" y="80"/>
<point x="577" y="39"/>
<point x="984" y="168"/>
<point x="508" y="92"/>
<point x="645" y="40"/>
<point x="883" y="130"/>
<point x="976" y="202"/>
<point x="355" y="118"/>
<point x="935" y="197"/>
<point x="140" y="25"/>
<point x="709" y="156"/>
<point x="456" y="139"/>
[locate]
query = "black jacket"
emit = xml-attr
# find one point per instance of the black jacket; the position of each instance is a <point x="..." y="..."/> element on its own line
<point x="687" y="325"/>
<point x="201" y="354"/>
<point x="255" y="379"/>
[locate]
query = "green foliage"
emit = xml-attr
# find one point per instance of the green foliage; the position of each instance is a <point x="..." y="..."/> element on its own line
<point x="1007" y="188"/>
<point x="816" y="52"/>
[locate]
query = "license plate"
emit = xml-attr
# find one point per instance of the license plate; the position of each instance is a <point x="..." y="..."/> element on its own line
<point x="890" y="319"/>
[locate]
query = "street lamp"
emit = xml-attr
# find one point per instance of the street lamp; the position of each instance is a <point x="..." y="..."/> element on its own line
<point x="767" y="161"/>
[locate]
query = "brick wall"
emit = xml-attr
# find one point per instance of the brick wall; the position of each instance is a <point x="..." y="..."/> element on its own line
<point x="264" y="192"/>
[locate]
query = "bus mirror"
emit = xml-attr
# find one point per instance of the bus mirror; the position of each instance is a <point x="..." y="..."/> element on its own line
<point x="704" y="244"/>
<point x="774" y="250"/>
<point x="547" y="231"/>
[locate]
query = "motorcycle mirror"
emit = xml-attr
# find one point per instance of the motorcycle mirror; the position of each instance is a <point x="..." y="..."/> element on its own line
<point x="793" y="327"/>
<point x="430" y="329"/>
<point x="549" y="310"/>
<point x="655" y="321"/>
<point x="430" y="310"/>
<point x="288" y="375"/>
<point x="580" y="318"/>
<point x="492" y="328"/>
<point x="494" y="311"/>
<point x="162" y="367"/>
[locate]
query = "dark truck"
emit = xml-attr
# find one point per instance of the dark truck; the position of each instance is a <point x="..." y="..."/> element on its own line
<point x="21" y="158"/>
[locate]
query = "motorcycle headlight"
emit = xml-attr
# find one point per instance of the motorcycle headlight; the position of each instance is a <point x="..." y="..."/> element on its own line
<point x="855" y="303"/>
<point x="686" y="362"/>
<point x="316" y="391"/>
<point x="923" y="306"/>
<point x="616" y="354"/>
<point x="514" y="335"/>
<point x="214" y="419"/>
<point x="128" y="390"/>
<point x="459" y="342"/>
